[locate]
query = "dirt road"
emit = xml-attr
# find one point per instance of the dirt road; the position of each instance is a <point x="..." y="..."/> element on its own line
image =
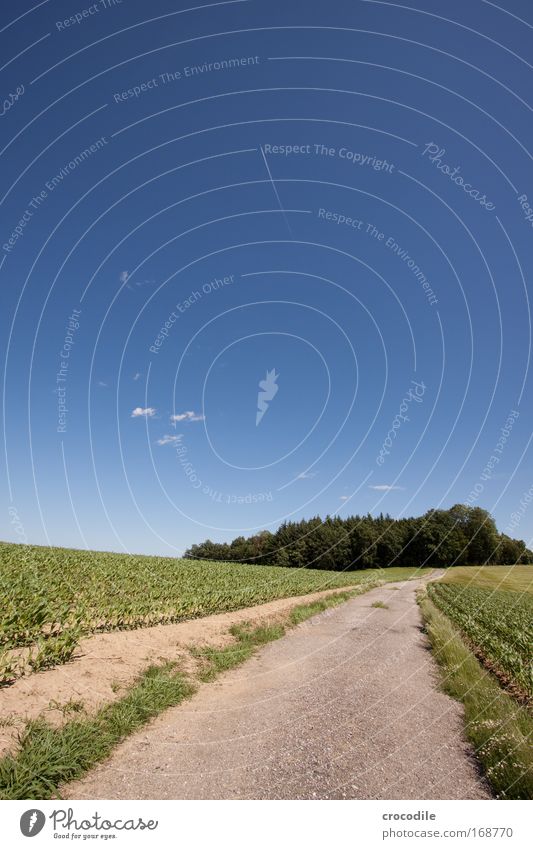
<point x="345" y="706"/>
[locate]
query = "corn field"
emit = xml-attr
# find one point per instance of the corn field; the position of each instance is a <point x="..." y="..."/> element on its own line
<point x="498" y="622"/>
<point x="50" y="597"/>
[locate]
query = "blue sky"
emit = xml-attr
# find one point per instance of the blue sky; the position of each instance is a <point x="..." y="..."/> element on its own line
<point x="329" y="198"/>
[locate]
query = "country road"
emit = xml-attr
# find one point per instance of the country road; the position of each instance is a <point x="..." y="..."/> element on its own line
<point x="345" y="706"/>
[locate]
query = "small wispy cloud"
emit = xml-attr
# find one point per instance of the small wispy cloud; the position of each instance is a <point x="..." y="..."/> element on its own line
<point x="170" y="440"/>
<point x="101" y="383"/>
<point x="303" y="476"/>
<point x="188" y="416"/>
<point x="385" y="487"/>
<point x="137" y="375"/>
<point x="140" y="283"/>
<point x="147" y="412"/>
<point x="344" y="497"/>
<point x="123" y="276"/>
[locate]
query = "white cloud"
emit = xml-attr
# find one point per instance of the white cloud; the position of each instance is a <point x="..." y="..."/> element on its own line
<point x="144" y="282"/>
<point x="101" y="383"/>
<point x="344" y="497"/>
<point x="147" y="412"/>
<point x="385" y="487"/>
<point x="126" y="278"/>
<point x="305" y="475"/>
<point x="137" y="375"/>
<point x="170" y="440"/>
<point x="188" y="416"/>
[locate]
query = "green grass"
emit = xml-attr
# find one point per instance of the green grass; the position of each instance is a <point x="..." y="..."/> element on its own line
<point x="50" y="597"/>
<point x="500" y="729"/>
<point x="380" y="604"/>
<point x="304" y="611"/>
<point x="49" y="757"/>
<point x="511" y="578"/>
<point x="215" y="661"/>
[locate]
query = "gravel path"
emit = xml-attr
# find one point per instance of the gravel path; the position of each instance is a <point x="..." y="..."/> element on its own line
<point x="345" y="706"/>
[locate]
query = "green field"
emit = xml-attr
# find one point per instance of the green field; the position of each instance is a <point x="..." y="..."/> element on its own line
<point x="50" y="597"/>
<point x="493" y="608"/>
<point x="514" y="578"/>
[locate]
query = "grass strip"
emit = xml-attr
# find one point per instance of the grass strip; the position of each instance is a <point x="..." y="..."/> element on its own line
<point x="215" y="661"/>
<point x="304" y="611"/>
<point x="49" y="757"/>
<point x="248" y="639"/>
<point x="500" y="729"/>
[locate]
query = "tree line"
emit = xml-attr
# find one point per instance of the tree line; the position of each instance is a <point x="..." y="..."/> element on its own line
<point x="461" y="535"/>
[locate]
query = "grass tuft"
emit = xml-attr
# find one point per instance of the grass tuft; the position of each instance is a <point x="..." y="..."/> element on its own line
<point x="500" y="729"/>
<point x="215" y="661"/>
<point x="380" y="604"/>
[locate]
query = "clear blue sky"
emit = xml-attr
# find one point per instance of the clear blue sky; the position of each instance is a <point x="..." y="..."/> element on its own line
<point x="336" y="191"/>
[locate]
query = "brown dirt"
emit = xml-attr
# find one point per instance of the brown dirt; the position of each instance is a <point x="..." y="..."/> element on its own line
<point x="104" y="665"/>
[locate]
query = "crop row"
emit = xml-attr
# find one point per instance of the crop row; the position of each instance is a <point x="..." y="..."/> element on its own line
<point x="49" y="597"/>
<point x="498" y="622"/>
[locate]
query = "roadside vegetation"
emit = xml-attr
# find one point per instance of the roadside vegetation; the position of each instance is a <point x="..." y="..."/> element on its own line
<point x="49" y="757"/>
<point x="500" y="729"/>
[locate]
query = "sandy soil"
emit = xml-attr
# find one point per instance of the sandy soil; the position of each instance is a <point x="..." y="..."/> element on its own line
<point x="104" y="665"/>
<point x="346" y="705"/>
